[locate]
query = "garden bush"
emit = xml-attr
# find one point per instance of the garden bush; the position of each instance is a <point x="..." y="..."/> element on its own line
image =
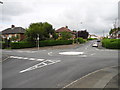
<point x="91" y="39"/>
<point x="19" y="45"/>
<point x="80" y="40"/>
<point x="3" y="45"/>
<point x="55" y="42"/>
<point x="111" y="43"/>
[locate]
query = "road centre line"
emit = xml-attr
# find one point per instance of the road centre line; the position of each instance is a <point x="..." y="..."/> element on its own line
<point x="40" y="65"/>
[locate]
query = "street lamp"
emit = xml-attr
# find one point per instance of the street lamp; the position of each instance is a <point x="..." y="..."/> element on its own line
<point x="38" y="40"/>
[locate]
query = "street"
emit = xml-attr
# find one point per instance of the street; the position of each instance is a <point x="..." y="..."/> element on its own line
<point x="50" y="69"/>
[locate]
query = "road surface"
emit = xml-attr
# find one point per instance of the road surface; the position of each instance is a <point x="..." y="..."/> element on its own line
<point x="49" y="69"/>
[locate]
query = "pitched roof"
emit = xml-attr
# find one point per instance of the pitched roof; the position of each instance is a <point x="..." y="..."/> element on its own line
<point x="15" y="30"/>
<point x="64" y="29"/>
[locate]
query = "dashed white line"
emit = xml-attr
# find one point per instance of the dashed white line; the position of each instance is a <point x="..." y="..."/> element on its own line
<point x="40" y="59"/>
<point x="31" y="58"/>
<point x="17" y="57"/>
<point x="25" y="58"/>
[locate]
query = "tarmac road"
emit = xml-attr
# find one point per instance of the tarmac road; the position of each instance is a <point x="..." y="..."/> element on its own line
<point x="49" y="69"/>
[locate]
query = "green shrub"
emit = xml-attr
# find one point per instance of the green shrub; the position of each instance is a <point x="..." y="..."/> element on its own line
<point x="80" y="40"/>
<point x="3" y="45"/>
<point x="55" y="42"/>
<point x="19" y="45"/>
<point x="91" y="39"/>
<point x="111" y="43"/>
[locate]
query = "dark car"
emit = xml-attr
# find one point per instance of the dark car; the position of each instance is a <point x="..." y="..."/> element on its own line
<point x="98" y="40"/>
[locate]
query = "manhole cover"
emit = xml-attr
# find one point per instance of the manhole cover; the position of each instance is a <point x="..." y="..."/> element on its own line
<point x="71" y="53"/>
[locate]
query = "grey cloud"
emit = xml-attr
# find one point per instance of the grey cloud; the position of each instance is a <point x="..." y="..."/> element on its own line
<point x="96" y="15"/>
<point x="12" y="9"/>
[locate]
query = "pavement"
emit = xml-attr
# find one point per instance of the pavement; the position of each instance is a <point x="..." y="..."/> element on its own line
<point x="103" y="78"/>
<point x="46" y="68"/>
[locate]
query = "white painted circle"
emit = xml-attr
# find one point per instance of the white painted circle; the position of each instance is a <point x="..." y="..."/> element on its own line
<point x="71" y="53"/>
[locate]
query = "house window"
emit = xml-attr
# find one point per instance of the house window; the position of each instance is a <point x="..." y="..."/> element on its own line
<point x="10" y="36"/>
<point x="15" y="35"/>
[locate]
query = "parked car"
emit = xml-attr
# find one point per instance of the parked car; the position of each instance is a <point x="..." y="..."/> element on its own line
<point x="95" y="44"/>
<point x="98" y="40"/>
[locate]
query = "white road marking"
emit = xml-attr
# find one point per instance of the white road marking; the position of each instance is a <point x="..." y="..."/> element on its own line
<point x="40" y="59"/>
<point x="31" y="58"/>
<point x="92" y="54"/>
<point x="71" y="53"/>
<point x="83" y="56"/>
<point x="40" y="65"/>
<point x="4" y="59"/>
<point x="7" y="51"/>
<point x="50" y="53"/>
<point x="20" y="51"/>
<point x="25" y="58"/>
<point x="17" y="57"/>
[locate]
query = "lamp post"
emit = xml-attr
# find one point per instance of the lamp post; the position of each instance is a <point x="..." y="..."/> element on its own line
<point x="38" y="40"/>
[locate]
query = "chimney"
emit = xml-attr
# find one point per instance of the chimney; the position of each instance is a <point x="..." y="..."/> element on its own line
<point x="12" y="26"/>
<point x="66" y="26"/>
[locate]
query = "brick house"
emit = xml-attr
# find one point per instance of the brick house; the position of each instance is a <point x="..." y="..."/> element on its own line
<point x="115" y="34"/>
<point x="16" y="32"/>
<point x="65" y="29"/>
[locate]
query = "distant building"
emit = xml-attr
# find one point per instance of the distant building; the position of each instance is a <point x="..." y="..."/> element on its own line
<point x="115" y="34"/>
<point x="16" y="32"/>
<point x="93" y="36"/>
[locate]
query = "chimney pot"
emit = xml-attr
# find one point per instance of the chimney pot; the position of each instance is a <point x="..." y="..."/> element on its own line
<point x="12" y="26"/>
<point x="66" y="26"/>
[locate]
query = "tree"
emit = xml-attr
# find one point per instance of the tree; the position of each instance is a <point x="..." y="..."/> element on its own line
<point x="43" y="29"/>
<point x="84" y="34"/>
<point x="114" y="30"/>
<point x="66" y="35"/>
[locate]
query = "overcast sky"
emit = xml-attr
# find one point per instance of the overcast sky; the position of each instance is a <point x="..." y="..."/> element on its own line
<point x="96" y="15"/>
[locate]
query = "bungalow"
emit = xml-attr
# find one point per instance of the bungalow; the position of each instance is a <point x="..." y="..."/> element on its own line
<point x="65" y="29"/>
<point x="14" y="32"/>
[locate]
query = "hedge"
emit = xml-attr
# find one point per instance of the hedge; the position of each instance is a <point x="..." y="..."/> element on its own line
<point x="3" y="45"/>
<point x="80" y="40"/>
<point x="111" y="43"/>
<point x="55" y="42"/>
<point x="91" y="38"/>
<point x="19" y="45"/>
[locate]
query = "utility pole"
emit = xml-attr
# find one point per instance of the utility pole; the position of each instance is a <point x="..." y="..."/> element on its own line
<point x="103" y="34"/>
<point x="38" y="40"/>
<point x="77" y="33"/>
<point x="115" y="24"/>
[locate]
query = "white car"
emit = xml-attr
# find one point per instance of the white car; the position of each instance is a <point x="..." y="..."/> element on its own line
<point x="95" y="44"/>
